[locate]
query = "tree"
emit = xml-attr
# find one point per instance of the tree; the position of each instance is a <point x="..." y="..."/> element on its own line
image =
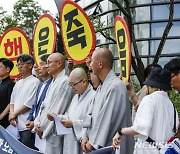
<point x="2" y="13"/>
<point x="27" y="12"/>
<point x="24" y="16"/>
<point x="5" y="21"/>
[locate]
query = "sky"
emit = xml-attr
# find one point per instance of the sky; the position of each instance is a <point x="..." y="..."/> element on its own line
<point x="46" y="4"/>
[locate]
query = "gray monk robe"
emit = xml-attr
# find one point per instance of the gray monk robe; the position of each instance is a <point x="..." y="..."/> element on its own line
<point x="110" y="112"/>
<point x="77" y="110"/>
<point x="57" y="100"/>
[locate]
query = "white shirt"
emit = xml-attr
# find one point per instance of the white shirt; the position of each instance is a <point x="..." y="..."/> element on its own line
<point x="24" y="93"/>
<point x="42" y="88"/>
<point x="154" y="119"/>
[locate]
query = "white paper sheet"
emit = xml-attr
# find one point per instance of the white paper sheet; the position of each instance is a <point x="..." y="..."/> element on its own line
<point x="13" y="131"/>
<point x="61" y="130"/>
<point x="118" y="151"/>
<point x="40" y="143"/>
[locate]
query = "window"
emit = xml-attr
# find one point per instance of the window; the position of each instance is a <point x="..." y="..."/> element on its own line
<point x="141" y="14"/>
<point x="142" y="31"/>
<point x="170" y="47"/>
<point x="158" y="29"/>
<point x="143" y="47"/>
<point x="162" y="12"/>
<point x="140" y="1"/>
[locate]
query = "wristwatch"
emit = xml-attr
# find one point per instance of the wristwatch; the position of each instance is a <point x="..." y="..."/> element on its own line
<point x="119" y="132"/>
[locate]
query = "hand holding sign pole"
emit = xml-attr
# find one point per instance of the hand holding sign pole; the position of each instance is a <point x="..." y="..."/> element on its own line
<point x="123" y="46"/>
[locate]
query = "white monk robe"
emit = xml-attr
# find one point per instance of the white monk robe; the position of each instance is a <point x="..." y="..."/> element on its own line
<point x="110" y="112"/>
<point x="154" y="119"/>
<point x="77" y="110"/>
<point x="58" y="98"/>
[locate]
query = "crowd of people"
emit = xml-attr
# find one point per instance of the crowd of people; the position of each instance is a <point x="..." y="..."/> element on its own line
<point x="95" y="105"/>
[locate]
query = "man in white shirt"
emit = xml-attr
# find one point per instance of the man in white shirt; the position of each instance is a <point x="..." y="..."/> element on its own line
<point x="23" y="97"/>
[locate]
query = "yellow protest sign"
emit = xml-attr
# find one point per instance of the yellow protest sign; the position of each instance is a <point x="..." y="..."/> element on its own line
<point x="124" y="46"/>
<point x="45" y="34"/>
<point x="77" y="32"/>
<point x="13" y="43"/>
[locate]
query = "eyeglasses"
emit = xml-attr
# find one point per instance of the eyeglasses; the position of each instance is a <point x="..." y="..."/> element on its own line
<point x="74" y="84"/>
<point x="21" y="64"/>
<point x="43" y="64"/>
<point x="51" y="61"/>
<point x="90" y="71"/>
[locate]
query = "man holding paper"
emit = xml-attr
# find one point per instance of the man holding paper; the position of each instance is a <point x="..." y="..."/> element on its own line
<point x="77" y="110"/>
<point x="57" y="99"/>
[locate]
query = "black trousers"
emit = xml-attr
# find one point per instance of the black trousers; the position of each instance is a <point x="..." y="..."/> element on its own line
<point x="28" y="139"/>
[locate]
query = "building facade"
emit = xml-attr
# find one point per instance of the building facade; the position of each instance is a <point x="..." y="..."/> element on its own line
<point x="149" y="19"/>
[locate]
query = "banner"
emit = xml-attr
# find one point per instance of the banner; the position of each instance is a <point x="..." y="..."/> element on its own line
<point x="123" y="46"/>
<point x="105" y="150"/>
<point x="77" y="32"/>
<point x="9" y="145"/>
<point x="13" y="43"/>
<point x="45" y="34"/>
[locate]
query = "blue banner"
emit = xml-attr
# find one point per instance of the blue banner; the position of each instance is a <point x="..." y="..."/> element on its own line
<point x="8" y="144"/>
<point x="105" y="150"/>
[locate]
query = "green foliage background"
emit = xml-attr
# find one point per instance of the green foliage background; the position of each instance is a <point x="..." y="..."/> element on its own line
<point x="175" y="98"/>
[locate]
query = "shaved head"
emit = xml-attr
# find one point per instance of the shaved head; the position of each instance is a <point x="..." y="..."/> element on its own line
<point x="105" y="55"/>
<point x="78" y="80"/>
<point x="101" y="62"/>
<point x="55" y="64"/>
<point x="78" y="73"/>
<point x="57" y="57"/>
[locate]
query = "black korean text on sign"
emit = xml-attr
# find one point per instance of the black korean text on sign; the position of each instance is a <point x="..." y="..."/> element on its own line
<point x="75" y="37"/>
<point x="43" y="38"/>
<point x="78" y="34"/>
<point x="121" y="44"/>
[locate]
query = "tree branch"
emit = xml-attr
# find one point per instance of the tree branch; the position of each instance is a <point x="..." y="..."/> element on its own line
<point x="139" y="67"/>
<point x="166" y="32"/>
<point x="109" y="38"/>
